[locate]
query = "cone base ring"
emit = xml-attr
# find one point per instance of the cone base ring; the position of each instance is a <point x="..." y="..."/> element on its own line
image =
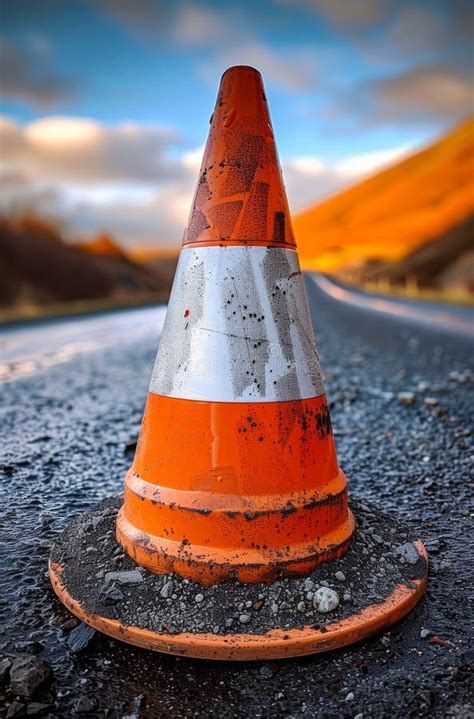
<point x="247" y="645"/>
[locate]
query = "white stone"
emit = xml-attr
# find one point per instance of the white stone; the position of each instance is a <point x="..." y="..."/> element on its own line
<point x="132" y="576"/>
<point x="325" y="600"/>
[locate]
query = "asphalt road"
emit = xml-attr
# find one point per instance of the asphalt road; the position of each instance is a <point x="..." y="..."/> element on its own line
<point x="71" y="401"/>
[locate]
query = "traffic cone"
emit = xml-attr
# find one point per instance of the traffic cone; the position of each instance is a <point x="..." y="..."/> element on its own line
<point x="235" y="475"/>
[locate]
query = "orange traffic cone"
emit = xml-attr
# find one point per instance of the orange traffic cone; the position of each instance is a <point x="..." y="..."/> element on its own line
<point x="235" y="476"/>
<point x="236" y="473"/>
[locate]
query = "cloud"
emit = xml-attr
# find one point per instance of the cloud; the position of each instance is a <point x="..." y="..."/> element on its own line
<point x="414" y="30"/>
<point x="421" y="32"/>
<point x="145" y="19"/>
<point x="430" y="91"/>
<point x="412" y="25"/>
<point x="230" y="41"/>
<point x="122" y="178"/>
<point x="225" y="35"/>
<point x="156" y="221"/>
<point x="84" y="151"/>
<point x="433" y="93"/>
<point x="349" y="12"/>
<point x="309" y="178"/>
<point x="367" y="163"/>
<point x="29" y="75"/>
<point x="133" y="181"/>
<point x="198" y="25"/>
<point x="296" y="74"/>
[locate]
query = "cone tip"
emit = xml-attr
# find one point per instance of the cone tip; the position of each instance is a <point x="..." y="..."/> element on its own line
<point x="238" y="69"/>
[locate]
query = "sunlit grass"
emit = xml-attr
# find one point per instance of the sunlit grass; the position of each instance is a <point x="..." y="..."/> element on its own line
<point x="411" y="291"/>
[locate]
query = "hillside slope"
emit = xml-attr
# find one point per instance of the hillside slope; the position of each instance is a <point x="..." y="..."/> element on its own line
<point x="102" y="246"/>
<point x="446" y="262"/>
<point x="391" y="214"/>
<point x="37" y="267"/>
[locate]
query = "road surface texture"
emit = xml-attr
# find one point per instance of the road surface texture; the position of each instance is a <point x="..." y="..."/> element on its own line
<point x="72" y="400"/>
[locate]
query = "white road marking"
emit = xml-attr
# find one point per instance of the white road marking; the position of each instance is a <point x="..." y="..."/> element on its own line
<point x="445" y="318"/>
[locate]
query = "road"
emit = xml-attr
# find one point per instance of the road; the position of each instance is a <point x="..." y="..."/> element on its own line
<point x="72" y="396"/>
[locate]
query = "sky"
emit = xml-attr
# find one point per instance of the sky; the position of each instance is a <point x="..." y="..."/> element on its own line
<point x="105" y="104"/>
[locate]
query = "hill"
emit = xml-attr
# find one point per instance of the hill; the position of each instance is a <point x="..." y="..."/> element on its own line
<point x="446" y="263"/>
<point x="388" y="216"/>
<point x="37" y="267"/>
<point x="103" y="246"/>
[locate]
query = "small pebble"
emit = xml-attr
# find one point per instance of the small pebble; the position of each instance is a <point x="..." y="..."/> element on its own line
<point x="340" y="576"/>
<point x="133" y="576"/>
<point x="27" y="673"/>
<point x="407" y="552"/>
<point x="16" y="709"/>
<point x="406" y="398"/>
<point x="325" y="600"/>
<point x="199" y="598"/>
<point x="112" y="596"/>
<point x="5" y="665"/>
<point x="166" y="589"/>
<point x="301" y="607"/>
<point x="81" y="638"/>
<point x="244" y="618"/>
<point x="425" y="633"/>
<point x="349" y="697"/>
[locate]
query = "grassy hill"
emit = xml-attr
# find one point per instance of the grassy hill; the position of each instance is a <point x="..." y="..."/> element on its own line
<point x="388" y="216"/>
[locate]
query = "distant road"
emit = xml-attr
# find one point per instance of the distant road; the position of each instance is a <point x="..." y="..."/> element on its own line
<point x="452" y="318"/>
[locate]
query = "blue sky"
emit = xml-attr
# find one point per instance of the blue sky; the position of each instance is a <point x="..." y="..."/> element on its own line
<point x="105" y="103"/>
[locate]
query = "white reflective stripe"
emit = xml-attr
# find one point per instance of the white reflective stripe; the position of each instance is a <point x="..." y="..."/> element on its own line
<point x="238" y="328"/>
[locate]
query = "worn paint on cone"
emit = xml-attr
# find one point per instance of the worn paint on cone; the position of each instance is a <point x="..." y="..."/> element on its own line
<point x="240" y="197"/>
<point x="235" y="473"/>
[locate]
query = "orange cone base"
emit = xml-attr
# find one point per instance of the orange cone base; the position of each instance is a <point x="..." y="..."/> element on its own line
<point x="212" y="566"/>
<point x="247" y="644"/>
